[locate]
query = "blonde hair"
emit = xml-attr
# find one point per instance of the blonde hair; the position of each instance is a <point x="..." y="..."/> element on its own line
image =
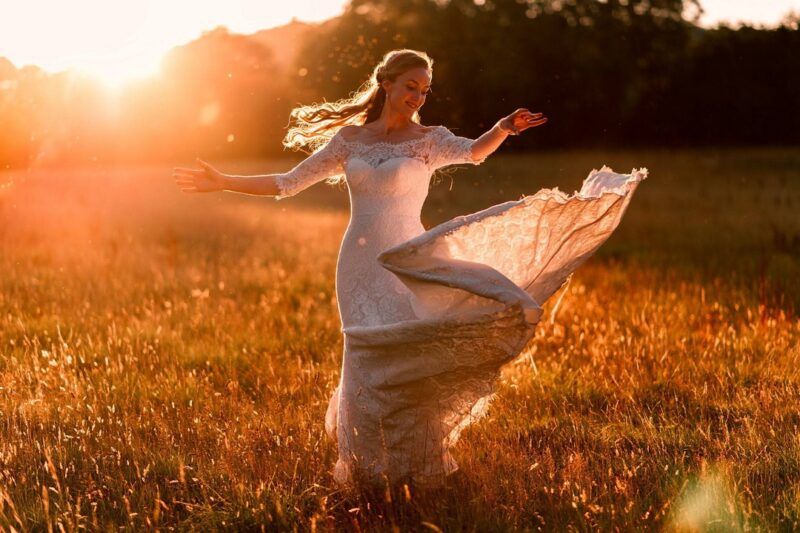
<point x="312" y="126"/>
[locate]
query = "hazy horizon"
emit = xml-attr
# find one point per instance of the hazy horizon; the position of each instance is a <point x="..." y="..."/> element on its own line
<point x="135" y="50"/>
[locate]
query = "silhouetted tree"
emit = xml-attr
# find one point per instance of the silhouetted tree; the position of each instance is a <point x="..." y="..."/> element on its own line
<point x="611" y="72"/>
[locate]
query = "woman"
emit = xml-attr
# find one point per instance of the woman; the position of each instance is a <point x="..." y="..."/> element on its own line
<point x="430" y="317"/>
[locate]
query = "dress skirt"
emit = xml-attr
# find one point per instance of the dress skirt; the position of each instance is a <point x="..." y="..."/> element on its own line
<point x="472" y="290"/>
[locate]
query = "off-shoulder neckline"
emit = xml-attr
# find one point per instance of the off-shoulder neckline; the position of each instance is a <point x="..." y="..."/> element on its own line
<point x="387" y="143"/>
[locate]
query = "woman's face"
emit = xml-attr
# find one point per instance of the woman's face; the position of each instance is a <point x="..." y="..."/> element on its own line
<point x="406" y="94"/>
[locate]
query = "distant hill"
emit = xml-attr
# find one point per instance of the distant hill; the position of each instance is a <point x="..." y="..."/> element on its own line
<point x="7" y="69"/>
<point x="285" y="42"/>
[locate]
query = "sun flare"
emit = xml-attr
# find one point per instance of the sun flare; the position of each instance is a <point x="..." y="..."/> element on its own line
<point x="116" y="42"/>
<point x="116" y="70"/>
<point x="113" y="42"/>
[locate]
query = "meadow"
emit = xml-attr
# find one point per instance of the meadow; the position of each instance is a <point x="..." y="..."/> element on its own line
<point x="166" y="359"/>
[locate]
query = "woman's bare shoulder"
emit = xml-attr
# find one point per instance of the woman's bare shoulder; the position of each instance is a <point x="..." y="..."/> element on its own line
<point x="423" y="132"/>
<point x="428" y="129"/>
<point x="350" y="133"/>
<point x="356" y="133"/>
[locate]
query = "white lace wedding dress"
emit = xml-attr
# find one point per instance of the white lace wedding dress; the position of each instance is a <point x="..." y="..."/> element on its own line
<point x="429" y="318"/>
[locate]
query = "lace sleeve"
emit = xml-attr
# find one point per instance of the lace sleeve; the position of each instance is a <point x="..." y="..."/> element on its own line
<point x="322" y="164"/>
<point x="449" y="149"/>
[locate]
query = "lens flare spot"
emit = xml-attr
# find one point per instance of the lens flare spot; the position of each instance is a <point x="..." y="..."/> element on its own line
<point x="209" y="114"/>
<point x="707" y="502"/>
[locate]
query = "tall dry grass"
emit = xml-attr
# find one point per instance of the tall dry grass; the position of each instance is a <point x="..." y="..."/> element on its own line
<point x="166" y="360"/>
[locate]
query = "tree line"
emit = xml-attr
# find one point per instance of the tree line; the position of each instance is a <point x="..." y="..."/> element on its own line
<point x="607" y="73"/>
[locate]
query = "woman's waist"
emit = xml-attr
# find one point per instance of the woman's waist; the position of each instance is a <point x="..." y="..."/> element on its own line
<point x="384" y="222"/>
<point x="381" y="231"/>
<point x="385" y="216"/>
<point x="386" y="207"/>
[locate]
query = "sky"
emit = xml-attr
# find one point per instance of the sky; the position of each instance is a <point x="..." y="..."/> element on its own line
<point x="118" y="40"/>
<point x="766" y="12"/>
<point x="134" y="34"/>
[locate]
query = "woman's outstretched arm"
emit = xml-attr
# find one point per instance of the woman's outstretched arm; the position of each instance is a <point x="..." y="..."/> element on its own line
<point x="513" y="124"/>
<point x="209" y="179"/>
<point x="263" y="185"/>
<point x="324" y="163"/>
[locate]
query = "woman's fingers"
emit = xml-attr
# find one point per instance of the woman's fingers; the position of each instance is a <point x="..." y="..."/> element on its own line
<point x="188" y="172"/>
<point x="189" y="179"/>
<point x="187" y="186"/>
<point x="522" y="119"/>
<point x="206" y="166"/>
<point x="528" y="116"/>
<point x="185" y="180"/>
<point x="534" y="123"/>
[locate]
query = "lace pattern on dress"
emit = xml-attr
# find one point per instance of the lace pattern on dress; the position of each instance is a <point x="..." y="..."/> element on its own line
<point x="326" y="162"/>
<point x="430" y="318"/>
<point x="446" y="148"/>
<point x="439" y="147"/>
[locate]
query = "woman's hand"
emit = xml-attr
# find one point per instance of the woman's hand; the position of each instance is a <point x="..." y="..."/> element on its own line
<point x="208" y="179"/>
<point x="520" y="120"/>
<point x="515" y="123"/>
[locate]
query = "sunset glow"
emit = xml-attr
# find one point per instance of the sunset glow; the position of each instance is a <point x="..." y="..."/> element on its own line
<point x="735" y="12"/>
<point x="123" y="40"/>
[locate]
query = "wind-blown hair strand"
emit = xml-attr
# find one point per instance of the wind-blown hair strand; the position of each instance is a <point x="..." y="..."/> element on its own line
<point x="312" y="126"/>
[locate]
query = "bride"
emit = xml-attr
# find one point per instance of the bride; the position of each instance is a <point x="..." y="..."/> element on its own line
<point x="429" y="318"/>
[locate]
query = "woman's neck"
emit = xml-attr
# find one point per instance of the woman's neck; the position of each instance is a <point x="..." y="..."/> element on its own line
<point x="389" y="122"/>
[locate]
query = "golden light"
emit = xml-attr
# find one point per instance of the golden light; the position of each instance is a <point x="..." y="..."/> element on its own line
<point x="114" y="70"/>
<point x="120" y="40"/>
<point x="709" y="500"/>
<point x="110" y="40"/>
<point x="736" y="12"/>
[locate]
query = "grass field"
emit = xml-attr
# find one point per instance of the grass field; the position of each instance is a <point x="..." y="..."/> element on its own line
<point x="166" y="359"/>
